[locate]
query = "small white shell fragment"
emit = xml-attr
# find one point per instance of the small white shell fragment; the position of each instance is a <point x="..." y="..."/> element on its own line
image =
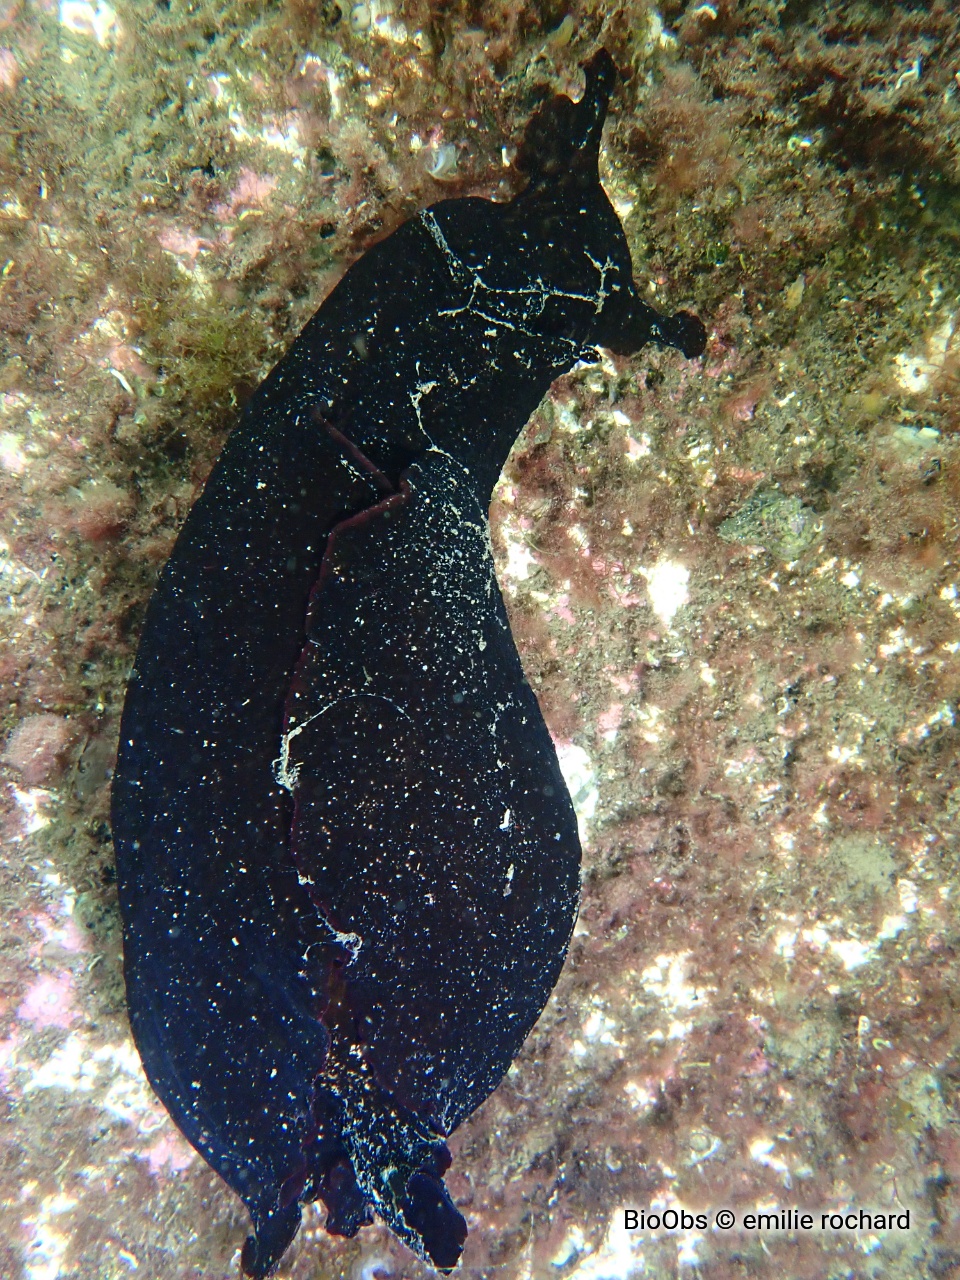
<point x="441" y="161"/>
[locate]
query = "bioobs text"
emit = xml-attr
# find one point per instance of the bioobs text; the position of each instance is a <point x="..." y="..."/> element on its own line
<point x="778" y="1220"/>
<point x="668" y="1220"/>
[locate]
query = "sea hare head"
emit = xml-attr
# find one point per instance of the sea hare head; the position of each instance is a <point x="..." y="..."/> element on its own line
<point x="563" y="137"/>
<point x="579" y="227"/>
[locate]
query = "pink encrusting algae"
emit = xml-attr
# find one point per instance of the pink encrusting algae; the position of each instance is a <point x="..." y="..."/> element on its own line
<point x="50" y="1001"/>
<point x="735" y="587"/>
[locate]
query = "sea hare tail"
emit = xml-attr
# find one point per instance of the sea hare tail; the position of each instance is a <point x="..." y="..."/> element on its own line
<point x="428" y="1209"/>
<point x="263" y="1251"/>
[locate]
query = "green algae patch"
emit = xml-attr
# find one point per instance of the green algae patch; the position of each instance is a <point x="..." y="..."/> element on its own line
<point x="778" y="522"/>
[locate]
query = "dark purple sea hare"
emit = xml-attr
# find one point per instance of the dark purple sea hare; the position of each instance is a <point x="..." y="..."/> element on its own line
<point x="347" y="860"/>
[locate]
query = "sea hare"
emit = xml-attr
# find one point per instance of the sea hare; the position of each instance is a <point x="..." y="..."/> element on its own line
<point x="347" y="860"/>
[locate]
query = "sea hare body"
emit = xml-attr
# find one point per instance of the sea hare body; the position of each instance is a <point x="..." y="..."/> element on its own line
<point x="348" y="863"/>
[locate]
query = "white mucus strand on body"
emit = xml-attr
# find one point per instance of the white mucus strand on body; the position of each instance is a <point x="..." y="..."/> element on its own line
<point x="351" y="942"/>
